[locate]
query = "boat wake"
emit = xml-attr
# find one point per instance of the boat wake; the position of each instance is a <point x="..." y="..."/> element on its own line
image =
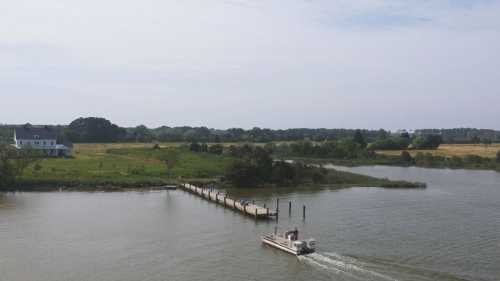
<point x="343" y="266"/>
<point x="371" y="269"/>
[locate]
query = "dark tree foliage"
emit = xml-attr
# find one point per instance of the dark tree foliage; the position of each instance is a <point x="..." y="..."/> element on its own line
<point x="203" y="147"/>
<point x="216" y="149"/>
<point x="203" y="134"/>
<point x="93" y="129"/>
<point x="498" y="156"/>
<point x="462" y="135"/>
<point x="338" y="149"/>
<point x="195" y="147"/>
<point x="427" y="142"/>
<point x="406" y="157"/>
<point x="6" y="133"/>
<point x="89" y="130"/>
<point x="255" y="166"/>
<point x="13" y="162"/>
<point x="390" y="144"/>
<point x="359" y="138"/>
<point x="7" y="169"/>
<point x="139" y="134"/>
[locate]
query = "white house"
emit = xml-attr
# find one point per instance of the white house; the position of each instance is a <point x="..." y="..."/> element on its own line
<point x="40" y="138"/>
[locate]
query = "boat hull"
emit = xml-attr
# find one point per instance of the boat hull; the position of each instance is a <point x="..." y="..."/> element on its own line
<point x="284" y="246"/>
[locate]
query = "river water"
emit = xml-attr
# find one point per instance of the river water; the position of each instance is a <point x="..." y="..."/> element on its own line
<point x="449" y="231"/>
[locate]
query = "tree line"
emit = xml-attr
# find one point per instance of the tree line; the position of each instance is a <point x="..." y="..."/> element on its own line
<point x="94" y="129"/>
<point x="13" y="162"/>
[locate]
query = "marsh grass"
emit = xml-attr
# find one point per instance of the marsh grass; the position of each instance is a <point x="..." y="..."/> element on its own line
<point x="449" y="150"/>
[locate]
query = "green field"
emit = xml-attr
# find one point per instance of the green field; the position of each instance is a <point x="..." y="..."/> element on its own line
<point x="134" y="164"/>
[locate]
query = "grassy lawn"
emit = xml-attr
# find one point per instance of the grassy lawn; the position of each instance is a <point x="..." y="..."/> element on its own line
<point x="460" y="150"/>
<point x="127" y="163"/>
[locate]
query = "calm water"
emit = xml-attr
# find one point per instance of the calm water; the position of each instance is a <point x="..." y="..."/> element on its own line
<point x="450" y="231"/>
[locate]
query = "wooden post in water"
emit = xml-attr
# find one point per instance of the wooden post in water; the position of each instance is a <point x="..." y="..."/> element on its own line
<point x="264" y="205"/>
<point x="289" y="208"/>
<point x="255" y="213"/>
<point x="267" y="212"/>
<point x="304" y="212"/>
<point x="277" y="204"/>
<point x="224" y="200"/>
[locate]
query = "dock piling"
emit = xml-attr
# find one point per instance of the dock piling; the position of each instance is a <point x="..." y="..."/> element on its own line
<point x="304" y="212"/>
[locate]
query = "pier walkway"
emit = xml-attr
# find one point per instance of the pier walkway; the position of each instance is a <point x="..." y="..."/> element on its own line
<point x="256" y="211"/>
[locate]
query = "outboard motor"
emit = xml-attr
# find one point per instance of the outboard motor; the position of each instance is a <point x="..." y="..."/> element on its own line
<point x="311" y="244"/>
<point x="300" y="245"/>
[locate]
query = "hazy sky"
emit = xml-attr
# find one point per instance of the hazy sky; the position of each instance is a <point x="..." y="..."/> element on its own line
<point x="240" y="63"/>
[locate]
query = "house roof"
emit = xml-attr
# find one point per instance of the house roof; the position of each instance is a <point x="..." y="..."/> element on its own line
<point x="29" y="133"/>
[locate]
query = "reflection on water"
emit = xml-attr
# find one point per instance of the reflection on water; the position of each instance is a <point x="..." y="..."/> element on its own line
<point x="449" y="231"/>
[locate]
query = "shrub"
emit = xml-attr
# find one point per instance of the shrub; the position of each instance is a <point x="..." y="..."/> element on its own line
<point x="427" y="142"/>
<point x="216" y="149"/>
<point x="390" y="144"/>
<point x="406" y="157"/>
<point x="195" y="147"/>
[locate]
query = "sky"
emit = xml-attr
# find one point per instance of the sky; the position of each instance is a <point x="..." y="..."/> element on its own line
<point x="371" y="64"/>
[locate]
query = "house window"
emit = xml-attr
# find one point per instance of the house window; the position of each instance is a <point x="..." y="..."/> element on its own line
<point x="51" y="143"/>
<point x="44" y="143"/>
<point x="36" y="136"/>
<point x="37" y="142"/>
<point x="21" y="142"/>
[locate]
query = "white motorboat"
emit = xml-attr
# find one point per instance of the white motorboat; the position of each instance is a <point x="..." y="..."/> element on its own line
<point x="290" y="243"/>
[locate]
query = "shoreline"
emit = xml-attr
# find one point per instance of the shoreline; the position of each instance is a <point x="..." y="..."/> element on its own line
<point x="384" y="162"/>
<point x="150" y="186"/>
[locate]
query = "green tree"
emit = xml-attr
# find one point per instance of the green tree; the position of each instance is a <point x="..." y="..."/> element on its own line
<point x="359" y="138"/>
<point x="13" y="162"/>
<point x="94" y="129"/>
<point x="405" y="135"/>
<point x="195" y="147"/>
<point x="406" y="157"/>
<point x="203" y="147"/>
<point x="216" y="149"/>
<point x="141" y="134"/>
<point x="427" y="142"/>
<point x="382" y="134"/>
<point x="242" y="173"/>
<point x="7" y="170"/>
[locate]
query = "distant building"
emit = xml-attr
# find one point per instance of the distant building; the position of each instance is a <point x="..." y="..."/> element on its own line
<point x="40" y="138"/>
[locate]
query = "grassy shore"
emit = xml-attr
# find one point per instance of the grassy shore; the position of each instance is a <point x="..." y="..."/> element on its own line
<point x="124" y="166"/>
<point x="450" y="150"/>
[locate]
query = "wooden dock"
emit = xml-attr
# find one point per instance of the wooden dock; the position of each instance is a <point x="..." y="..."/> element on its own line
<point x="253" y="210"/>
